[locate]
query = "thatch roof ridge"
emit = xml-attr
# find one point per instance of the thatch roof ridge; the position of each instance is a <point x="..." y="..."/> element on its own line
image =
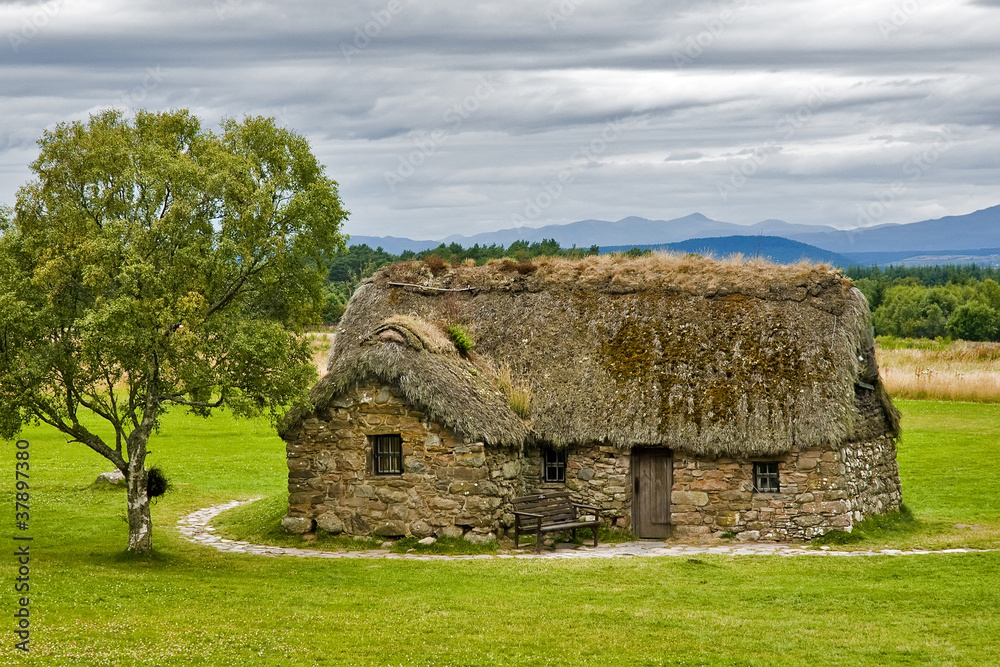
<point x="712" y="357"/>
<point x="619" y="274"/>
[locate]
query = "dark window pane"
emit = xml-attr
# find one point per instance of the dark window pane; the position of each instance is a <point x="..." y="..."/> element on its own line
<point x="387" y="454"/>
<point x="765" y="477"/>
<point x="555" y="465"/>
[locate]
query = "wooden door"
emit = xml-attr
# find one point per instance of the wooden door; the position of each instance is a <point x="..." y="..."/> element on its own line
<point x="652" y="477"/>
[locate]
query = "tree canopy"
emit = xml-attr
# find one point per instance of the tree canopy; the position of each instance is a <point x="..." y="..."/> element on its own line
<point x="152" y="263"/>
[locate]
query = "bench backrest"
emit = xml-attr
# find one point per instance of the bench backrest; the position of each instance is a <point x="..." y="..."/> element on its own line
<point x="553" y="507"/>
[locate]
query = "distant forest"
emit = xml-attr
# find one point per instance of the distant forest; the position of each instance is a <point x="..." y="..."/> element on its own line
<point x="960" y="302"/>
<point x="932" y="301"/>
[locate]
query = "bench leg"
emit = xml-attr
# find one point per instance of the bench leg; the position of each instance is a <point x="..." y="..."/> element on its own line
<point x="538" y="542"/>
<point x="517" y="533"/>
<point x="595" y="536"/>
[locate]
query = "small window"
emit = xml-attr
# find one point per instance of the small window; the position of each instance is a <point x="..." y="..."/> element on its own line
<point x="387" y="454"/>
<point x="555" y="465"/>
<point x="765" y="477"/>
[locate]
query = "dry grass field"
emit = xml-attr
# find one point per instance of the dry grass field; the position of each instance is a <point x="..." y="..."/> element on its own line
<point x="322" y="342"/>
<point x="937" y="370"/>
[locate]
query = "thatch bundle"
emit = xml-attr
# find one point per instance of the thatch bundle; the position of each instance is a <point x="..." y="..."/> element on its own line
<point x="713" y="357"/>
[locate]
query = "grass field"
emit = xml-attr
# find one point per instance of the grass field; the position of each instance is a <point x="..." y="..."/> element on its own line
<point x="190" y="605"/>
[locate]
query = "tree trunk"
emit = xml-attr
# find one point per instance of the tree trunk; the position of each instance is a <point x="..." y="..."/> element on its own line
<point x="140" y="525"/>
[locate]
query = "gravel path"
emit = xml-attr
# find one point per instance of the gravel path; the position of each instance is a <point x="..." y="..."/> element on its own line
<point x="196" y="527"/>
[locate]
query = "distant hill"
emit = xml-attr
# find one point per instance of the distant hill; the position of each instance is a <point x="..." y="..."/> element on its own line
<point x="629" y="231"/>
<point x="774" y="248"/>
<point x="634" y="231"/>
<point x="392" y="244"/>
<point x="980" y="229"/>
<point x="960" y="235"/>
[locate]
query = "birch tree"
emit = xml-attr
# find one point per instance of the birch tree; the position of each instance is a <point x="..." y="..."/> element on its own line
<point x="151" y="263"/>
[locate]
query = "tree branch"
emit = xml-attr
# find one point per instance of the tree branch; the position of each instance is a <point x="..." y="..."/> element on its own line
<point x="234" y="289"/>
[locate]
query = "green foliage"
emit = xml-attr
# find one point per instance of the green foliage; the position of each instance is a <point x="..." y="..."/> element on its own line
<point x="914" y="311"/>
<point x="895" y="343"/>
<point x="930" y="302"/>
<point x="974" y="320"/>
<point x="521" y="251"/>
<point x="929" y="276"/>
<point x="152" y="262"/>
<point x="637" y="252"/>
<point x="345" y="271"/>
<point x="463" y="339"/>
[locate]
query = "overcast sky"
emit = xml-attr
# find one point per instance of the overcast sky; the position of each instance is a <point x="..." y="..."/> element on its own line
<point x="440" y="117"/>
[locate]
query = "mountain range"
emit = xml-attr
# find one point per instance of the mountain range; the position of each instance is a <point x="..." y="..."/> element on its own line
<point x="973" y="235"/>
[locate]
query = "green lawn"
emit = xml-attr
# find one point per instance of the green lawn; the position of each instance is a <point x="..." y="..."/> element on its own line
<point x="193" y="605"/>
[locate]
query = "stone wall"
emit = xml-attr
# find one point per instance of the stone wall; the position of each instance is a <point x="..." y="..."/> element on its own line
<point x="821" y="490"/>
<point x="872" y="477"/>
<point x="449" y="487"/>
<point x="596" y="475"/>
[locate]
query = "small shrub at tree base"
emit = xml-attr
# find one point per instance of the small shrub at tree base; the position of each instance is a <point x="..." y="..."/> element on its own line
<point x="157" y="483"/>
<point x="462" y="338"/>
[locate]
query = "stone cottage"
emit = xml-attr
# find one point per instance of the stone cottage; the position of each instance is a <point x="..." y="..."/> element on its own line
<point x="684" y="396"/>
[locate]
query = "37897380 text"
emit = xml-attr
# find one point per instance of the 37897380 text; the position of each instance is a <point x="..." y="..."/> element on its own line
<point x="22" y="550"/>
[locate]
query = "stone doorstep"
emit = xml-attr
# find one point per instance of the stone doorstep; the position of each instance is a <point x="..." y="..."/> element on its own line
<point x="195" y="526"/>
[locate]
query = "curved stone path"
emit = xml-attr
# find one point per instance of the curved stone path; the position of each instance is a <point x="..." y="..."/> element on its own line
<point x="196" y="527"/>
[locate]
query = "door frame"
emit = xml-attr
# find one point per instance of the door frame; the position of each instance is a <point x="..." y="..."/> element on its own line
<point x="651" y="454"/>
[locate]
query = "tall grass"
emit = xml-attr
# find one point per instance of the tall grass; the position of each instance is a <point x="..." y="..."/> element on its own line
<point x="518" y="392"/>
<point x="940" y="369"/>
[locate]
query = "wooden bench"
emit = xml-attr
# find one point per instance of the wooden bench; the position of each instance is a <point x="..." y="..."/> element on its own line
<point x="548" y="513"/>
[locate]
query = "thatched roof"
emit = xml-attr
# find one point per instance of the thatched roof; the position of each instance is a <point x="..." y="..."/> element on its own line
<point x="713" y="357"/>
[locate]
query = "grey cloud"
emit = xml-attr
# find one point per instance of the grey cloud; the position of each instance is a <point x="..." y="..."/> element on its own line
<point x="403" y="97"/>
